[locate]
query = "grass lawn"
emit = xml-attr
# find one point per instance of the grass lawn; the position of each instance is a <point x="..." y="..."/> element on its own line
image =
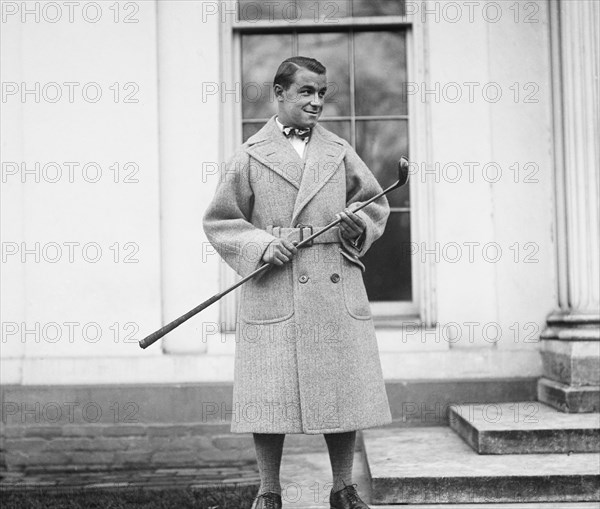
<point x="222" y="497"/>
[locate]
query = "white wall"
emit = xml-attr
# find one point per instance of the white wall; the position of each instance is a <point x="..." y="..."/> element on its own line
<point x="509" y="56"/>
<point x="93" y="290"/>
<point x="171" y="54"/>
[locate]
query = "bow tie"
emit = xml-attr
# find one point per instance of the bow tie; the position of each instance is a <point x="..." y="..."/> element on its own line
<point x="303" y="134"/>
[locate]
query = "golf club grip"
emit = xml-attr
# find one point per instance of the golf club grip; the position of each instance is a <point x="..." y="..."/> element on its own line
<point x="155" y="336"/>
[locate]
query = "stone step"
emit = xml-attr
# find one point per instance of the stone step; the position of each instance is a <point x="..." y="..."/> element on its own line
<point x="524" y="427"/>
<point x="434" y="465"/>
<point x="537" y="505"/>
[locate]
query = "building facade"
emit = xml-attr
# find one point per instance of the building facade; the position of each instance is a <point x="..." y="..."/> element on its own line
<point x="117" y="119"/>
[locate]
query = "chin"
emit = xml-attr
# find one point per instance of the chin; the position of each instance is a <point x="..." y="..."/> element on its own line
<point x="311" y="122"/>
<point x="307" y="119"/>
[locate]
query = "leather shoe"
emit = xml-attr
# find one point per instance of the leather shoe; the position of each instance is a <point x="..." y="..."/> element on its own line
<point x="268" y="500"/>
<point x="346" y="499"/>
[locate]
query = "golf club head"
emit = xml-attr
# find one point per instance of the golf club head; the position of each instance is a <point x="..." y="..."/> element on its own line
<point x="402" y="171"/>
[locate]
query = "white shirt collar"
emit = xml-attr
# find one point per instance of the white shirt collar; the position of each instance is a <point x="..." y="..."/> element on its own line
<point x="279" y="124"/>
<point x="294" y="137"/>
<point x="296" y="142"/>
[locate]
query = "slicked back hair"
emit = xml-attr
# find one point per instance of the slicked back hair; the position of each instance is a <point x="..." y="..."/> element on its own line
<point x="289" y="67"/>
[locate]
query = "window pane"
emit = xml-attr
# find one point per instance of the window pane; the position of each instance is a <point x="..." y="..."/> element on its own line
<point x="380" y="143"/>
<point x="262" y="56"/>
<point x="250" y="129"/>
<point x="331" y="49"/>
<point x="388" y="262"/>
<point x="265" y="10"/>
<point x="380" y="61"/>
<point x="325" y="10"/>
<point x="379" y="7"/>
<point x="293" y="10"/>
<point x="342" y="129"/>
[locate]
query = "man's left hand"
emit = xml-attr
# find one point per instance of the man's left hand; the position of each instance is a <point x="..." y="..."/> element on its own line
<point x="351" y="226"/>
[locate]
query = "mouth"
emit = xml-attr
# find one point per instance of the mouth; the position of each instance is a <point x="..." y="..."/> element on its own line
<point x="311" y="112"/>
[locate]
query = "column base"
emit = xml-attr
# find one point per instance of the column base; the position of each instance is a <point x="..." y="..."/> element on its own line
<point x="571" y="362"/>
<point x="567" y="398"/>
<point x="570" y="349"/>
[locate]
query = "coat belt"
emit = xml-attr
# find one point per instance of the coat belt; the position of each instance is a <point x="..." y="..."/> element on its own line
<point x="297" y="234"/>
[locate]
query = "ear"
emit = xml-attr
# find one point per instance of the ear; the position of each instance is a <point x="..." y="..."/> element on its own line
<point x="278" y="89"/>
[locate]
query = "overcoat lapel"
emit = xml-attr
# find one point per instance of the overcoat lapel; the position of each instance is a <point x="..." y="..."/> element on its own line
<point x="323" y="158"/>
<point x="270" y="147"/>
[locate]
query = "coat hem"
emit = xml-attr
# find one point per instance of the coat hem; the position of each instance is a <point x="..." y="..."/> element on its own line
<point x="315" y="431"/>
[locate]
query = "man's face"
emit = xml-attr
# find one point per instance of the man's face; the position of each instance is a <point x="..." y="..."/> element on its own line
<point x="301" y="104"/>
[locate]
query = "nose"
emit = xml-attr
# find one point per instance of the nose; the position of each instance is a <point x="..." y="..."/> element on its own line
<point x="316" y="100"/>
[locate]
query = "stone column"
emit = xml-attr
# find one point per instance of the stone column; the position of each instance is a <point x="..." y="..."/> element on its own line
<point x="571" y="342"/>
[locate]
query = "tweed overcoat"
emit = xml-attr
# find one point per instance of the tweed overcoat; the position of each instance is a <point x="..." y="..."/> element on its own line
<point x="306" y="356"/>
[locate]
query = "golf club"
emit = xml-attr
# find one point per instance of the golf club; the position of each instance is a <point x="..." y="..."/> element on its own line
<point x="155" y="336"/>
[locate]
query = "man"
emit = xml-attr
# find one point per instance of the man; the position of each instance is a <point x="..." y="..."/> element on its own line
<point x="306" y="354"/>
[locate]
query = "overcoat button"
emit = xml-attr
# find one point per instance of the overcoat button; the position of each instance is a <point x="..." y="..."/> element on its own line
<point x="335" y="278"/>
<point x="303" y="279"/>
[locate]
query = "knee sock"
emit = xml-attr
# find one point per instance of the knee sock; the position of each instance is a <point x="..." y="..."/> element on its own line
<point x="269" y="449"/>
<point x="341" y="456"/>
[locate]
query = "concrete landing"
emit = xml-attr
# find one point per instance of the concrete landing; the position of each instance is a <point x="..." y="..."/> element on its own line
<point x="435" y="466"/>
<point x="524" y="428"/>
<point x="306" y="479"/>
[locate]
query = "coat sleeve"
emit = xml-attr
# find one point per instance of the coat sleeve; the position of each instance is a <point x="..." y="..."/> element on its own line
<point x="227" y="221"/>
<point x="361" y="185"/>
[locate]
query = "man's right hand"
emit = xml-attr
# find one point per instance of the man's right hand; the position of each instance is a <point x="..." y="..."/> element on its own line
<point x="280" y="251"/>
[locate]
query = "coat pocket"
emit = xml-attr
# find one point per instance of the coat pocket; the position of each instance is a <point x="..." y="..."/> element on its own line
<point x="268" y="298"/>
<point x="355" y="294"/>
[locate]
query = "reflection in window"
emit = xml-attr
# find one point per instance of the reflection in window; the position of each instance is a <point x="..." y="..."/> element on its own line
<point x="328" y="10"/>
<point x="366" y="74"/>
<point x="380" y="73"/>
<point x="262" y="56"/>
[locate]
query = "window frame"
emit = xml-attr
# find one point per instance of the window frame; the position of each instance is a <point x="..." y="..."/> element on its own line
<point x="421" y="310"/>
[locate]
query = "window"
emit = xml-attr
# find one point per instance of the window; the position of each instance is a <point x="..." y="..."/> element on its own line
<point x="363" y="45"/>
<point x="327" y="10"/>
